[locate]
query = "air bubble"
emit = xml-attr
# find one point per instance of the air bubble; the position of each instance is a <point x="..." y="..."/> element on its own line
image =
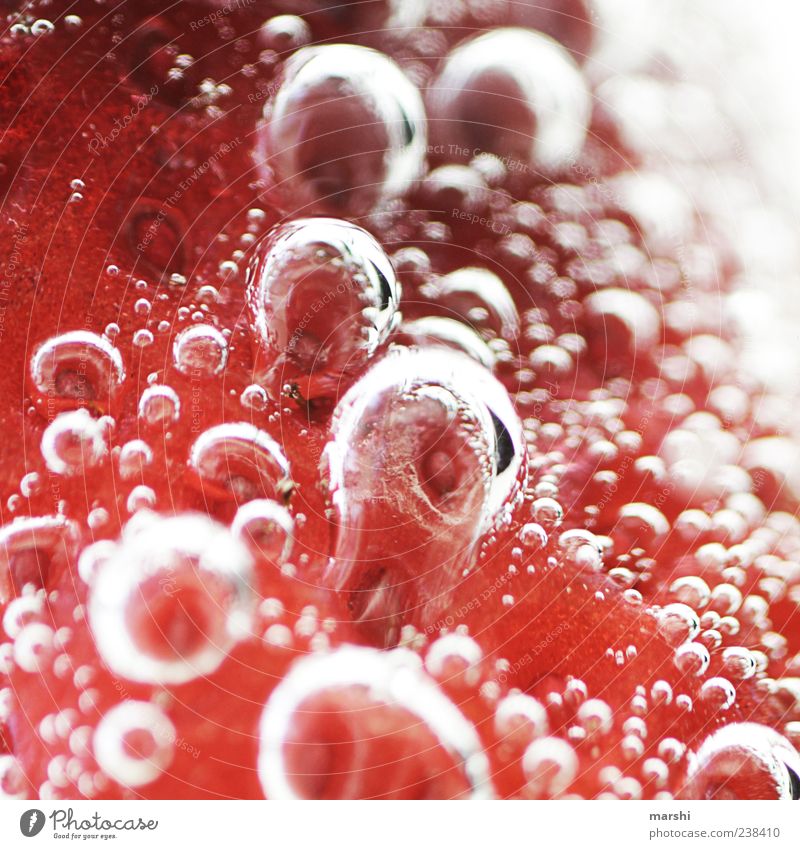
<point x="520" y="719"/>
<point x="671" y="750"/>
<point x="42" y="27"/>
<point x="547" y="512"/>
<point x="729" y="626"/>
<point x="739" y="663"/>
<point x="159" y="406"/>
<point x="34" y="647"/>
<point x="641" y="525"/>
<point x="529" y="85"/>
<point x="345" y="131"/>
<point x="323" y="297"/>
<point x="141" y="498"/>
<point x="595" y="717"/>
<point x="726" y="599"/>
<point x="743" y="760"/>
<point x="200" y="351"/>
<point x="142" y="338"/>
<point x="632" y="747"/>
<point x="29" y="549"/>
<point x="30" y="484"/>
<point x="628" y="787"/>
<point x="455" y="188"/>
<point x="533" y="536"/>
<point x="691" y="590"/>
<point x="13" y="783"/>
<point x="479" y="298"/>
<point x="254" y="397"/>
<point x="774" y="461"/>
<point x="74" y="443"/>
<point x="312" y="741"/>
<point x="551" y="361"/>
<point x="20" y="612"/>
<point x="622" y="326"/>
<point x="427" y="441"/>
<point x="581" y="549"/>
<point x="434" y="330"/>
<point x="134" y="743"/>
<point x="661" y="693"/>
<point x="266" y="527"/>
<point x="550" y="765"/>
<point x="134" y="457"/>
<point x="238" y="462"/>
<point x="454" y="660"/>
<point x="76" y="369"/>
<point x="93" y="557"/>
<point x="692" y="659"/>
<point x="718" y="693"/>
<point x="284" y="33"/>
<point x="172" y="600"/>
<point x="678" y="623"/>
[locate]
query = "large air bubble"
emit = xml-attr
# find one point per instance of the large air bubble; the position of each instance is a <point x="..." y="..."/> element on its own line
<point x="360" y="723"/>
<point x="75" y="442"/>
<point x="345" y="130"/>
<point x="30" y="550"/>
<point x="322" y="297"/>
<point x="172" y="600"/>
<point x="76" y="369"/>
<point x="743" y="760"/>
<point x="427" y="455"/>
<point x="238" y="462"/>
<point x="134" y="743"/>
<point x="514" y="93"/>
<point x="479" y="298"/>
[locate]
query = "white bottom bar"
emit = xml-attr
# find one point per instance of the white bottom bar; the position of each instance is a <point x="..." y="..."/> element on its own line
<point x="401" y="825"/>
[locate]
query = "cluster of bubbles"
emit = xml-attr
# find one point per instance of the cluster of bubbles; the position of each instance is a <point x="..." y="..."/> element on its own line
<point x="738" y="761"/>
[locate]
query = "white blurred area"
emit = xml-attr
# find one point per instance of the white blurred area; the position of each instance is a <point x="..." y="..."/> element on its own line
<point x="746" y="52"/>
